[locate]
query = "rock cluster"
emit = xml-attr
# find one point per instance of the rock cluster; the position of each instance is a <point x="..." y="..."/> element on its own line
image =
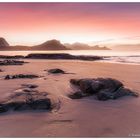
<point x="26" y="98"/>
<point x="19" y="76"/>
<point x="102" y="88"/>
<point x="11" y="62"/>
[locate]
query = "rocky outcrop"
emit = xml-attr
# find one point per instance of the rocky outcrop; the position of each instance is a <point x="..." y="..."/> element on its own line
<point x="26" y="98"/>
<point x="11" y="62"/>
<point x="21" y="76"/>
<point x="102" y="88"/>
<point x="63" y="56"/>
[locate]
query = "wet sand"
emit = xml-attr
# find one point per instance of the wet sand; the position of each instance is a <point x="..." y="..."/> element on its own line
<point x="85" y="117"/>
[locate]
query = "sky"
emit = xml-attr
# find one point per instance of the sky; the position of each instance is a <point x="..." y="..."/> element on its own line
<point x="35" y="23"/>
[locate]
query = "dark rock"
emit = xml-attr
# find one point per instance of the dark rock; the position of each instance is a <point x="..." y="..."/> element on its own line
<point x="1" y="70"/>
<point x="11" y="62"/>
<point x="123" y="92"/>
<point x="63" y="56"/>
<point x="56" y="71"/>
<point x="11" y="57"/>
<point x="19" y="76"/>
<point x="103" y="88"/>
<point x="76" y="95"/>
<point x="3" y="109"/>
<point x="30" y="85"/>
<point x="26" y="101"/>
<point x="106" y="94"/>
<point x="109" y="84"/>
<point x="75" y="82"/>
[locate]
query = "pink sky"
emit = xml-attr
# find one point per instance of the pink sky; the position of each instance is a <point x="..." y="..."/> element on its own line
<point x="34" y="23"/>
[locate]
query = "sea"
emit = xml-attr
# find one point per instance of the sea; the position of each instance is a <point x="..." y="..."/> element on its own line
<point x="111" y="56"/>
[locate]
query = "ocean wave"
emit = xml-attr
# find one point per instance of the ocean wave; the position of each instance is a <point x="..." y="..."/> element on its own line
<point x="123" y="59"/>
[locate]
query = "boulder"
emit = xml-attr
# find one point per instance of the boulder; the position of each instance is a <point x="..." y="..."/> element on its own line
<point x="103" y="88"/>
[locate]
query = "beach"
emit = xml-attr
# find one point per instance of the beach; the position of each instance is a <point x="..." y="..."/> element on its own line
<point x="84" y="117"/>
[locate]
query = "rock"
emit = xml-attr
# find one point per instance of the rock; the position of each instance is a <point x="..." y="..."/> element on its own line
<point x="30" y="85"/>
<point x="3" y="109"/>
<point x="26" y="98"/>
<point x="109" y="84"/>
<point x="26" y="101"/>
<point x="124" y="91"/>
<point x="103" y="88"/>
<point x="62" y="56"/>
<point x="56" y="71"/>
<point x="1" y="70"/>
<point x="11" y="62"/>
<point x="76" y="95"/>
<point x="12" y="56"/>
<point x="19" y="76"/>
<point x="105" y="94"/>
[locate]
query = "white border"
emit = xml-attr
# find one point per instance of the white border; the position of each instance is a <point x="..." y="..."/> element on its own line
<point x="66" y="1"/>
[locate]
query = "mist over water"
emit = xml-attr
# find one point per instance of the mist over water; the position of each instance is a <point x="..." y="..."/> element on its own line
<point x="110" y="55"/>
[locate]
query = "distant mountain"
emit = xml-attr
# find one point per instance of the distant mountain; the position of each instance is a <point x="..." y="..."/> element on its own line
<point x="83" y="46"/>
<point x="126" y="47"/>
<point x="3" y="43"/>
<point x="50" y="45"/>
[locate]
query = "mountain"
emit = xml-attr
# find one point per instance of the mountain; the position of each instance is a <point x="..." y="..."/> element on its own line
<point x="83" y="46"/>
<point x="3" y="43"/>
<point x="126" y="47"/>
<point x="50" y="45"/>
<point x="77" y="46"/>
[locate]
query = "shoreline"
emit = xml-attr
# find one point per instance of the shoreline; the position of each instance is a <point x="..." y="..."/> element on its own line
<point x="67" y="56"/>
<point x="99" y="119"/>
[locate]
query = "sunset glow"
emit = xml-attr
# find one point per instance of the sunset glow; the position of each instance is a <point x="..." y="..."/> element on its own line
<point x="34" y="23"/>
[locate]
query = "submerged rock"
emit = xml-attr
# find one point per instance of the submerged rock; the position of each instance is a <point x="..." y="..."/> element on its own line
<point x="19" y="76"/>
<point x="56" y="71"/>
<point x="11" y="62"/>
<point x="102" y="88"/>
